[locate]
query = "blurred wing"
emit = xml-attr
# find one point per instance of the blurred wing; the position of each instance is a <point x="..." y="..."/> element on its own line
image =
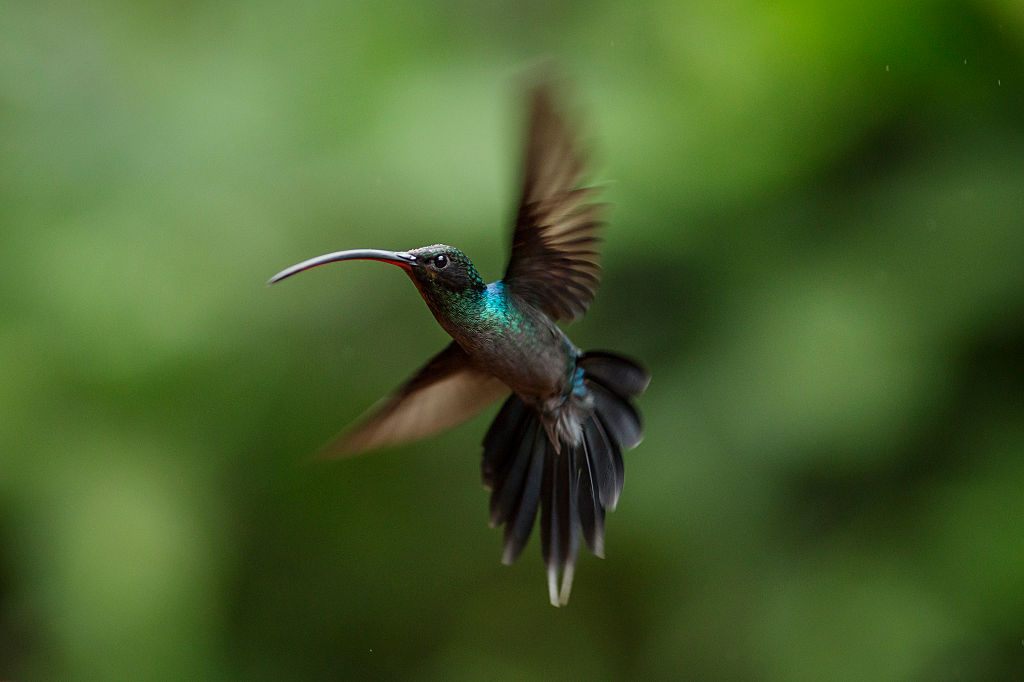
<point x="554" y="263"/>
<point x="445" y="392"/>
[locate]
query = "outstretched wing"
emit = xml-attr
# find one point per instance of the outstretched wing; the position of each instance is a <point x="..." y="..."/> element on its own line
<point x="444" y="392"/>
<point x="555" y="262"/>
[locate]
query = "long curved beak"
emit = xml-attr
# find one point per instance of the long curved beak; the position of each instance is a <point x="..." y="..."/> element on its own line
<point x="400" y="258"/>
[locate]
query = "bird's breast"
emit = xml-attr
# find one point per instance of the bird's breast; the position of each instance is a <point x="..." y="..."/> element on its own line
<point x="513" y="341"/>
<point x="533" y="357"/>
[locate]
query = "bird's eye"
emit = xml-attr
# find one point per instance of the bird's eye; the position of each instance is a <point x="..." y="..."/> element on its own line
<point x="440" y="261"/>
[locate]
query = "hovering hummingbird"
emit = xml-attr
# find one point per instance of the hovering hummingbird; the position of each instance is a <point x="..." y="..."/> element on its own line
<point x="557" y="441"/>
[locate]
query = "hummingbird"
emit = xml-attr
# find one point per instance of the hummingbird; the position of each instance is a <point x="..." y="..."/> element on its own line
<point x="557" y="441"/>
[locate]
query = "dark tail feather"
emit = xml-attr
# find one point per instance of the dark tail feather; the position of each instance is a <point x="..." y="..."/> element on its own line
<point x="573" y="487"/>
<point x="518" y="526"/>
<point x="614" y="425"/>
<point x="572" y="543"/>
<point x="550" y="547"/>
<point x="620" y="420"/>
<point x="513" y="467"/>
<point x="605" y="463"/>
<point x="590" y="506"/>
<point x="560" y="523"/>
<point x="615" y="372"/>
<point x="501" y="439"/>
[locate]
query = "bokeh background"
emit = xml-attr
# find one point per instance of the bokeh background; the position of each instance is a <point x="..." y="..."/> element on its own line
<point x="816" y="247"/>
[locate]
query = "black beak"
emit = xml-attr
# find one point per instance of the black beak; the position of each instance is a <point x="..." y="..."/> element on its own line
<point x="400" y="258"/>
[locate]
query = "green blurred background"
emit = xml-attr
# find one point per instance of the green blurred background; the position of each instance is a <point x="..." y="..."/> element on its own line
<point x="816" y="247"/>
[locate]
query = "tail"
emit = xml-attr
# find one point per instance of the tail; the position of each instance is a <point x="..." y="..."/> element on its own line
<point x="574" y="484"/>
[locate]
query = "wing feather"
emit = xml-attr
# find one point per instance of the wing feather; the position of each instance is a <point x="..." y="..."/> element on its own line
<point x="444" y="392"/>
<point x="554" y="264"/>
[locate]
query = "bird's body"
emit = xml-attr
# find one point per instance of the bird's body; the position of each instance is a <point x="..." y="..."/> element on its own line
<point x="513" y="341"/>
<point x="557" y="441"/>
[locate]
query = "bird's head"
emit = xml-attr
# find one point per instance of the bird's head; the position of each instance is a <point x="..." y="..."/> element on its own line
<point x="442" y="273"/>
